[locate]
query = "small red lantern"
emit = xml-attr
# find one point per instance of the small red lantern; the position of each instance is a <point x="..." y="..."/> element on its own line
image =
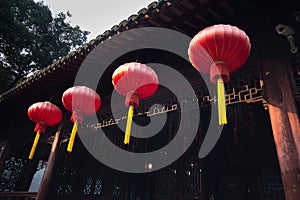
<point x="80" y="100"/>
<point x="43" y="114"/>
<point x="218" y="50"/>
<point x="135" y="81"/>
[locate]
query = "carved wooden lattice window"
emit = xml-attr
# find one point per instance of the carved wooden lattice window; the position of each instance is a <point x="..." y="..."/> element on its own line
<point x="166" y="183"/>
<point x="193" y="179"/>
<point x="13" y="168"/>
<point x="92" y="186"/>
<point x="66" y="175"/>
<point x="272" y="184"/>
<point x="88" y="185"/>
<point x="98" y="186"/>
<point x="117" y="189"/>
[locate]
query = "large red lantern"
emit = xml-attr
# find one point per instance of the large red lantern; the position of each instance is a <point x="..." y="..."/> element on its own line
<point x="80" y="100"/>
<point x="219" y="50"/>
<point x="135" y="81"/>
<point x="43" y="114"/>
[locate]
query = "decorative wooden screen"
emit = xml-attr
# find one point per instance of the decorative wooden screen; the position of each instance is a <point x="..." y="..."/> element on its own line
<point x="246" y="86"/>
<point x="166" y="182"/>
<point x="66" y="179"/>
<point x="12" y="171"/>
<point x="193" y="179"/>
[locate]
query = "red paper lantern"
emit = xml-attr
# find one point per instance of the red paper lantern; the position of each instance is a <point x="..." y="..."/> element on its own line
<point x="43" y="114"/>
<point x="80" y="100"/>
<point x="219" y="50"/>
<point x="135" y="81"/>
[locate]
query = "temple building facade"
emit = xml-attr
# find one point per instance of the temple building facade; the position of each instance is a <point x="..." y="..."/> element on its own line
<point x="256" y="156"/>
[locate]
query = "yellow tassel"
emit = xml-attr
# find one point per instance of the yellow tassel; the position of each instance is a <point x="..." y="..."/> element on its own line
<point x="36" y="140"/>
<point x="128" y="125"/>
<point x="72" y="137"/>
<point x="221" y="102"/>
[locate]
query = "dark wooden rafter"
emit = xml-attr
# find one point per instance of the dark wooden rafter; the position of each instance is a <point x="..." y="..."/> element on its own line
<point x="185" y="14"/>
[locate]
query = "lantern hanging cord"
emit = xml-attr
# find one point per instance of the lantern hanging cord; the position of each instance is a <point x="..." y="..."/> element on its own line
<point x="129" y="124"/>
<point x="137" y="58"/>
<point x="53" y="94"/>
<point x="72" y="137"/>
<point x="36" y="140"/>
<point x="221" y="102"/>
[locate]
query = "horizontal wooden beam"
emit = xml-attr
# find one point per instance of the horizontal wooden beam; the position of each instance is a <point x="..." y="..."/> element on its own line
<point x="18" y="194"/>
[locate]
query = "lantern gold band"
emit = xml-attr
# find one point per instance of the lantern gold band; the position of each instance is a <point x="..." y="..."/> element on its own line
<point x="218" y="62"/>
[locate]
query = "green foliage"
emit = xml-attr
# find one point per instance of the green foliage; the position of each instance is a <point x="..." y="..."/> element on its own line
<point x="30" y="39"/>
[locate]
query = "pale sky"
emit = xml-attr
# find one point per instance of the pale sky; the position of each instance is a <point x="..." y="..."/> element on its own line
<point x="96" y="16"/>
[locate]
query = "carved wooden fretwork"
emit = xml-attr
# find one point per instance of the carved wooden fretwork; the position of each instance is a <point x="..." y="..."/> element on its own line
<point x="244" y="87"/>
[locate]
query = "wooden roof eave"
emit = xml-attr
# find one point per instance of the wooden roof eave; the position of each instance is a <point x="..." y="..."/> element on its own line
<point x="154" y="15"/>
